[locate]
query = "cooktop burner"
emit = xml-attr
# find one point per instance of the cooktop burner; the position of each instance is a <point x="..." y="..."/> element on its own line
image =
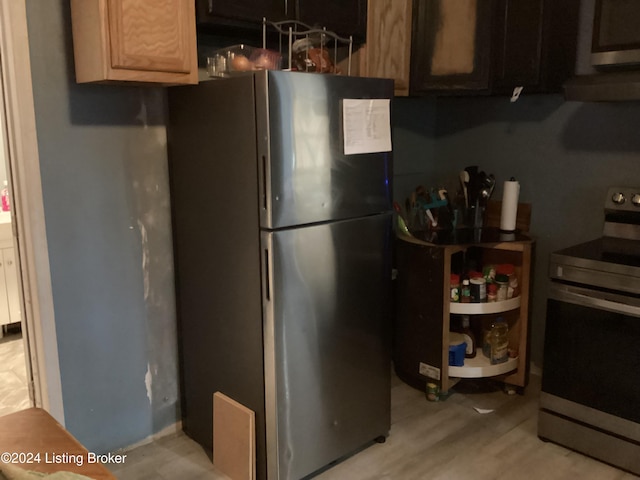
<point x="612" y="261"/>
<point x="607" y="250"/>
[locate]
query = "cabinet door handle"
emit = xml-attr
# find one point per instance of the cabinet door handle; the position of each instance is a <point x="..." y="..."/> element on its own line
<point x="210" y="6"/>
<point x="9" y="262"/>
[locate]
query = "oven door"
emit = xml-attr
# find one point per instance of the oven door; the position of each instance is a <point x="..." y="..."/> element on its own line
<point x="590" y="389"/>
<point x="592" y="350"/>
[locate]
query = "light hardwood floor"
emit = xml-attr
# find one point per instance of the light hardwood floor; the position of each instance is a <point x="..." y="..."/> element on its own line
<point x="428" y="440"/>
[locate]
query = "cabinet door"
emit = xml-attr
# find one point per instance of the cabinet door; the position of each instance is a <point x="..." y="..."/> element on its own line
<point x="535" y="44"/>
<point x="388" y="49"/>
<point x="150" y="35"/>
<point x="518" y="43"/>
<point x="11" y="284"/>
<point x="344" y="17"/>
<point x="451" y="45"/>
<point x="252" y="11"/>
<point x="149" y="41"/>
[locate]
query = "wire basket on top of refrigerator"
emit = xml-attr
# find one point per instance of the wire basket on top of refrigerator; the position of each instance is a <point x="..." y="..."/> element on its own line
<point x="310" y="49"/>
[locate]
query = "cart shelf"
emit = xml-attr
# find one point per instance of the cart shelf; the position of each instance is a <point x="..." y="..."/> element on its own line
<point x="480" y="366"/>
<point x="482" y="308"/>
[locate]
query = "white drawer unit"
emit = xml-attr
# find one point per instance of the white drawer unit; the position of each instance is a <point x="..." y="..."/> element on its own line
<point x="10" y="311"/>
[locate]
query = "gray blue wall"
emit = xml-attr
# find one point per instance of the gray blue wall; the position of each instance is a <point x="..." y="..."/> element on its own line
<point x="105" y="186"/>
<point x="564" y="154"/>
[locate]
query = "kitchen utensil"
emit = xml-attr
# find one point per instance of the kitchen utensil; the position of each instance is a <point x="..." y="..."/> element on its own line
<point x="398" y="210"/>
<point x="488" y="184"/>
<point x="472" y="170"/>
<point x="491" y="182"/>
<point x="432" y="219"/>
<point x="475" y="190"/>
<point x="402" y="226"/>
<point x="464" y="181"/>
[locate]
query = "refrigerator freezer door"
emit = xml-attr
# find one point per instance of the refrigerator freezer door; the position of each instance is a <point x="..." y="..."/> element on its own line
<point x="306" y="176"/>
<point x="327" y="342"/>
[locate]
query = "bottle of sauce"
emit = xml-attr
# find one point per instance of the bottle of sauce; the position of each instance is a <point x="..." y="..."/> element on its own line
<point x="454" y="286"/>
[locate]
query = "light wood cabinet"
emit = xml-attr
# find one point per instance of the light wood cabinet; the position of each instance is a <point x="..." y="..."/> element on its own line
<point x="147" y="41"/>
<point x="387" y="53"/>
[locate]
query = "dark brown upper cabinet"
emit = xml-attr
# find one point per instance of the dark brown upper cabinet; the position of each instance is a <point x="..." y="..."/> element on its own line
<point x="534" y="45"/>
<point x="239" y="12"/>
<point x="492" y="46"/>
<point x="343" y="17"/>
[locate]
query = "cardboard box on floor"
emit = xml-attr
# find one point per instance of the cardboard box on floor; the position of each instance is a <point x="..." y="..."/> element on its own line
<point x="233" y="438"/>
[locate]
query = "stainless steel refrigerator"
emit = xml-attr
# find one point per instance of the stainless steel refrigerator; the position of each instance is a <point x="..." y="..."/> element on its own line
<point x="281" y="195"/>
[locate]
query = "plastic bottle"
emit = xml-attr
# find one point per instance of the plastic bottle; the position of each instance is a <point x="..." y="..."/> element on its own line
<point x="469" y="339"/>
<point x="492" y="292"/>
<point x="499" y="341"/>
<point x="489" y="273"/>
<point x="503" y="286"/>
<point x="457" y="349"/>
<point x="509" y="270"/>
<point x="465" y="292"/>
<point x="454" y="286"/>
<point x="6" y="205"/>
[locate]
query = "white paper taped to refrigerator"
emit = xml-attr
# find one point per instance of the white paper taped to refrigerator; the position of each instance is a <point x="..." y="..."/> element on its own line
<point x="367" y="125"/>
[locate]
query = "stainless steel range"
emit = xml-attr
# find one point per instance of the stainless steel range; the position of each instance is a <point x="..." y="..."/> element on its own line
<point x="590" y="400"/>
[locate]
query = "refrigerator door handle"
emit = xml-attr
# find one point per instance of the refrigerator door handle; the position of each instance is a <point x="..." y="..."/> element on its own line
<point x="268" y="334"/>
<point x="267" y="283"/>
<point x="266" y="244"/>
<point x="264" y="183"/>
<point x="264" y="148"/>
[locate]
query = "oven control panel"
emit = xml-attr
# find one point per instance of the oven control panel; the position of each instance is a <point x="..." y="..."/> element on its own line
<point x="623" y="199"/>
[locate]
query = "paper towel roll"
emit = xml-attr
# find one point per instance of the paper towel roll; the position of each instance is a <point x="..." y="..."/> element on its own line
<point x="509" y="212"/>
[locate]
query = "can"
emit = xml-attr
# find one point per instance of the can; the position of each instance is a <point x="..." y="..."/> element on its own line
<point x="478" y="290"/>
<point x="433" y="392"/>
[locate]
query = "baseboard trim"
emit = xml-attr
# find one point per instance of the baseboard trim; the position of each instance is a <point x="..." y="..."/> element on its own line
<point x="168" y="431"/>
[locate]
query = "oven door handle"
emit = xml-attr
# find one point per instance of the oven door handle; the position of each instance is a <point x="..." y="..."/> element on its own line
<point x="596" y="299"/>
